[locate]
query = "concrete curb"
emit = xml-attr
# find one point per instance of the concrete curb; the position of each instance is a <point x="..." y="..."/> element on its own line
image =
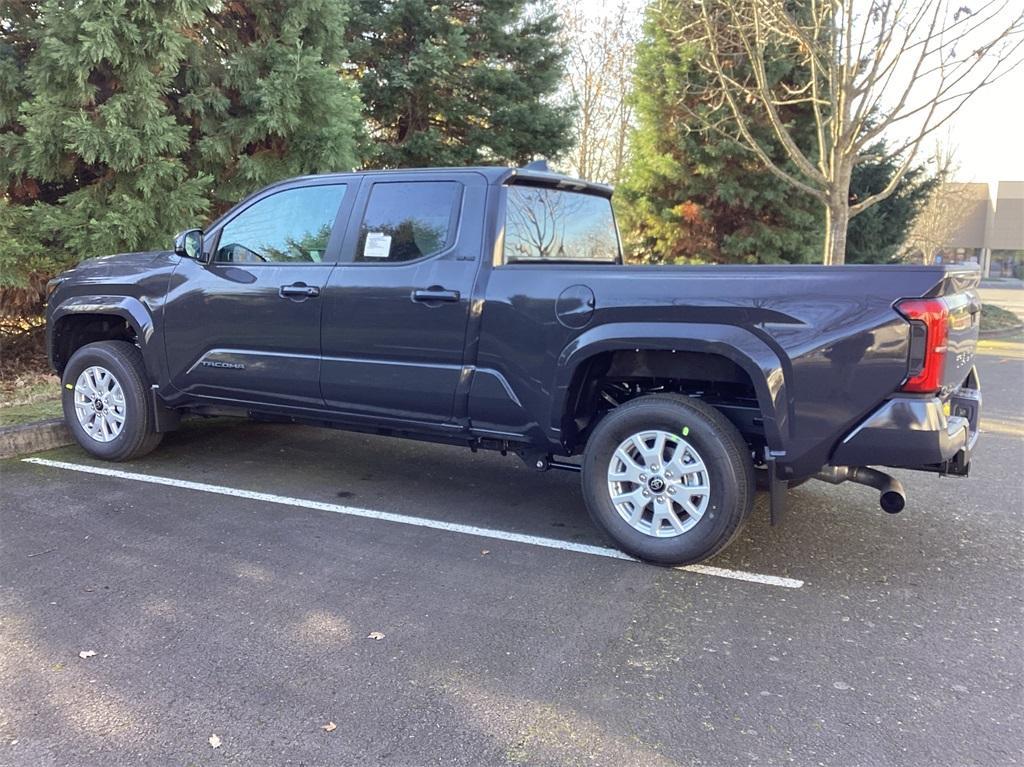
<point x="33" y="437"/>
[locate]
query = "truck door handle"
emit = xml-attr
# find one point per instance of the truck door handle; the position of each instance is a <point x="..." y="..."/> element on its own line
<point x="435" y="293"/>
<point x="298" y="290"/>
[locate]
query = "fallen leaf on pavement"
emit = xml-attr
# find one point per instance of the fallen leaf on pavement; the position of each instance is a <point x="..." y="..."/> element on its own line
<point x="86" y="653"/>
<point x="214" y="741"/>
<point x="329" y="727"/>
<point x="378" y="635"/>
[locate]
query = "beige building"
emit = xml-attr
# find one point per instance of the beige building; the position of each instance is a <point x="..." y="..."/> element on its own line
<point x="966" y="222"/>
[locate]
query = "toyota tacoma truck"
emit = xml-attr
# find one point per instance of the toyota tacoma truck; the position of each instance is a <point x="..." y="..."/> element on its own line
<point x="491" y="308"/>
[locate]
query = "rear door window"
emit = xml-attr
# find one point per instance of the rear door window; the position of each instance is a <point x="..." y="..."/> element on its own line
<point x="544" y="224"/>
<point x="406" y="221"/>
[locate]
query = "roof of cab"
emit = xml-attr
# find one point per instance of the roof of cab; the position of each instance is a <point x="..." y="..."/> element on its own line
<point x="536" y="174"/>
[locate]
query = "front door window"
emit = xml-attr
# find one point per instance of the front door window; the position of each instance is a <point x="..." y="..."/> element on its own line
<point x="291" y="227"/>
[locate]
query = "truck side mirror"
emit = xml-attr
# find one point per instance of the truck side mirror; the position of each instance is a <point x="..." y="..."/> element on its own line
<point x="189" y="244"/>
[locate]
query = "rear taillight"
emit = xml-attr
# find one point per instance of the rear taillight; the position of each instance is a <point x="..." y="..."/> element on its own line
<point x="929" y="327"/>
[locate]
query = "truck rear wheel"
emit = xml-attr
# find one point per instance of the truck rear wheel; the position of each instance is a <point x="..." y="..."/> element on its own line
<point x="668" y="478"/>
<point x="104" y="395"/>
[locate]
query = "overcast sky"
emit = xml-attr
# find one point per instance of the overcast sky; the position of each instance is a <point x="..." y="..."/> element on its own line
<point x="988" y="134"/>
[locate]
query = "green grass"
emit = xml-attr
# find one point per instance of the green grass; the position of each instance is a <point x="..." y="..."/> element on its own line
<point x="15" y="415"/>
<point x="30" y="397"/>
<point x="997" y="318"/>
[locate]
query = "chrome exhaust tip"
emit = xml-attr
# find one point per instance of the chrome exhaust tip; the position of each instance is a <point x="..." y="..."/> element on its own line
<point x="892" y="498"/>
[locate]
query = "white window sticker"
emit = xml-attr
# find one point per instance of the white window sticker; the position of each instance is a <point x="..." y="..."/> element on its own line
<point x="378" y="245"/>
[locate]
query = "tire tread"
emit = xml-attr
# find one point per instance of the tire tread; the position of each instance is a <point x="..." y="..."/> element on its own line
<point x="735" y="447"/>
<point x="140" y="441"/>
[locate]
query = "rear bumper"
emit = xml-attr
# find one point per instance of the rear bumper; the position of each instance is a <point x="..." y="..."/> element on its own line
<point x="914" y="432"/>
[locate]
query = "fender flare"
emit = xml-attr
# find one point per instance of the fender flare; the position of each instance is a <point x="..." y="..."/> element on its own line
<point x="129" y="308"/>
<point x="751" y="353"/>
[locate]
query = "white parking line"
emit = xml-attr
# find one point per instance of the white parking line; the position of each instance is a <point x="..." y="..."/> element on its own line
<point x="402" y="519"/>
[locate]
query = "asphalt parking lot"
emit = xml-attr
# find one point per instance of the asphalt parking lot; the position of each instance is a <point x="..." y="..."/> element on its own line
<point x="249" y="617"/>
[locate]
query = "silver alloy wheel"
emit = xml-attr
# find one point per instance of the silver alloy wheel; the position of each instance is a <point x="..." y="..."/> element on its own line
<point x="99" y="404"/>
<point x="658" y="483"/>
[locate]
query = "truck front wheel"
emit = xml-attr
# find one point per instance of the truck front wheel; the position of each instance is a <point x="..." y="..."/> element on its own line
<point x="668" y="478"/>
<point x="104" y="394"/>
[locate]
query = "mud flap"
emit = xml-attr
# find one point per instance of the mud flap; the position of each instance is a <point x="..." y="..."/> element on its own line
<point x="164" y="418"/>
<point x="777" y="490"/>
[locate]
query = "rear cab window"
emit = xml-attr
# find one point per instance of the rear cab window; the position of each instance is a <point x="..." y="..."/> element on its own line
<point x="543" y="224"/>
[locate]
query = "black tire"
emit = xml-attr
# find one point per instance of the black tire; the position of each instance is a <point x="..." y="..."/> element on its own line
<point x="124" y="362"/>
<point x="730" y="477"/>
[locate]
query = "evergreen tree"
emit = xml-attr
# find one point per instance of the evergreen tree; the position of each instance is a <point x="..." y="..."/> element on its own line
<point x="125" y="122"/>
<point x="458" y="82"/>
<point x="91" y="151"/>
<point x="692" y="194"/>
<point x="266" y="94"/>
<point x="876" y="234"/>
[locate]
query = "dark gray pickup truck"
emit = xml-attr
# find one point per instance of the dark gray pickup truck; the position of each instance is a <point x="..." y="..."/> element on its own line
<point x="490" y="307"/>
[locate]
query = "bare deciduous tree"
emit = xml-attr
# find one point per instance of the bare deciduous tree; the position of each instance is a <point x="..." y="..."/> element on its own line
<point x="537" y="221"/>
<point x="943" y="214"/>
<point x="901" y="68"/>
<point x="598" y="80"/>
